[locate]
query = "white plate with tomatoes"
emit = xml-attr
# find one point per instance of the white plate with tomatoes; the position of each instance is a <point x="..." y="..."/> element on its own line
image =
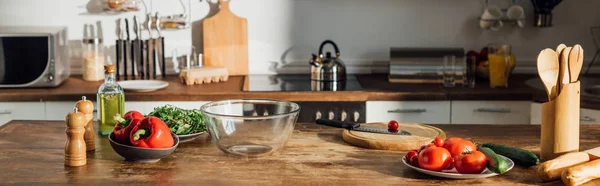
<point x="452" y="174"/>
<point x="455" y="158"/>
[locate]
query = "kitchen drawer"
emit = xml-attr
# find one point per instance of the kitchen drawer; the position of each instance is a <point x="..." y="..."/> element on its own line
<point x="429" y="112"/>
<point x="21" y="111"/>
<point x="589" y="116"/>
<point x="146" y="107"/>
<point x="491" y="112"/>
<point x="58" y="110"/>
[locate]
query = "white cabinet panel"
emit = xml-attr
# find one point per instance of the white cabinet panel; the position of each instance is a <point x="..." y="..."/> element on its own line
<point x="146" y="107"/>
<point x="429" y="112"/>
<point x="589" y="116"/>
<point x="57" y="110"/>
<point x="21" y="111"/>
<point x="491" y="112"/>
<point x="536" y="113"/>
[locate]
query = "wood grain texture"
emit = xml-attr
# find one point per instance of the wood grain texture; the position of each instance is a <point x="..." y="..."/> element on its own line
<point x="32" y="154"/>
<point x="375" y="88"/>
<point x="226" y="41"/>
<point x="421" y="135"/>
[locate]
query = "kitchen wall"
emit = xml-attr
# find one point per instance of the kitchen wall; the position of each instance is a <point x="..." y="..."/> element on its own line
<point x="283" y="33"/>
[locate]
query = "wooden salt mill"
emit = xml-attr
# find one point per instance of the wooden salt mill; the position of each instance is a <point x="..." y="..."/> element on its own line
<point x="87" y="108"/>
<point x="75" y="145"/>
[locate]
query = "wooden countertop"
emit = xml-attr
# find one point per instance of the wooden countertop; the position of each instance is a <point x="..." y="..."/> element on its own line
<point x="375" y="87"/>
<point x="33" y="154"/>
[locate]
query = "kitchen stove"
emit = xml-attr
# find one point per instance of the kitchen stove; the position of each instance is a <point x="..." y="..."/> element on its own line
<point x="352" y="111"/>
<point x="298" y="82"/>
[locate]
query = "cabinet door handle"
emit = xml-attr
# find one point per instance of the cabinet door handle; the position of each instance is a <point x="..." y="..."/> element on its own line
<point x="5" y="112"/>
<point x="494" y="110"/>
<point x="587" y="119"/>
<point x="407" y="111"/>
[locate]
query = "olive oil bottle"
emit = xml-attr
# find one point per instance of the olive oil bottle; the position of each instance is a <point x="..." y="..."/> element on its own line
<point x="111" y="101"/>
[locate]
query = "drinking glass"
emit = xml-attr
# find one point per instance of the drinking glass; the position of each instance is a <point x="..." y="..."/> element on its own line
<point x="499" y="57"/>
<point x="449" y="73"/>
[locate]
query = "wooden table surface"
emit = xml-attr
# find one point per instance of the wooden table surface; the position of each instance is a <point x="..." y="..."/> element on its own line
<point x="31" y="153"/>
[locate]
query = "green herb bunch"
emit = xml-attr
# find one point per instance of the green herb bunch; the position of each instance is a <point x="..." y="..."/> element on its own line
<point x="180" y="121"/>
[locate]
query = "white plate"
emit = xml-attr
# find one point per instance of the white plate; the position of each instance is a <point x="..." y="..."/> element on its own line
<point x="143" y="85"/>
<point x="454" y="175"/>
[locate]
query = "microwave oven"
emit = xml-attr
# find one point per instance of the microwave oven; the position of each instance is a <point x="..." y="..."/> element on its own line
<point x="33" y="56"/>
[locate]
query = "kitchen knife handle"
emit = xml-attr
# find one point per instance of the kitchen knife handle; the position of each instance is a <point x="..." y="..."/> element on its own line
<point x="162" y="53"/>
<point x="133" y="59"/>
<point x="338" y="124"/>
<point x="118" y="48"/>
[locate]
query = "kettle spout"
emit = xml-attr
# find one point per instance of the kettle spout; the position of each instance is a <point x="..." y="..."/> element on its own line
<point x="314" y="61"/>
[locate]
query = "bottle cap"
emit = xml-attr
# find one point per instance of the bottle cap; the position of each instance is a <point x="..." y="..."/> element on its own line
<point x="109" y="69"/>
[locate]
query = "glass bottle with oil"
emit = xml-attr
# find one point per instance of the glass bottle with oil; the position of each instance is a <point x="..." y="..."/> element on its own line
<point x="111" y="100"/>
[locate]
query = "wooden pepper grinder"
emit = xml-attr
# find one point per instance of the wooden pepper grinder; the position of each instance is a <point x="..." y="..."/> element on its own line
<point x="87" y="108"/>
<point x="75" y="146"/>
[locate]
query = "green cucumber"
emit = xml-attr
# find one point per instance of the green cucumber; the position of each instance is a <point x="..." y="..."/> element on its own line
<point x="519" y="156"/>
<point x="496" y="163"/>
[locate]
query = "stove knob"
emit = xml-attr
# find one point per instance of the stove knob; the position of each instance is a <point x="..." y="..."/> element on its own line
<point x="318" y="115"/>
<point x="356" y="116"/>
<point x="343" y="116"/>
<point x="331" y="115"/>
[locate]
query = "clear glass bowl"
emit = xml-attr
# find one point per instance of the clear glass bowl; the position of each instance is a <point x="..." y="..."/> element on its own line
<point x="250" y="128"/>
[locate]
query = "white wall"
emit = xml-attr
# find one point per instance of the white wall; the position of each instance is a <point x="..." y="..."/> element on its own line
<point x="285" y="32"/>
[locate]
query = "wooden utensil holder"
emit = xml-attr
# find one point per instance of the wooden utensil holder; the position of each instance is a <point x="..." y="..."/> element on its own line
<point x="560" y="123"/>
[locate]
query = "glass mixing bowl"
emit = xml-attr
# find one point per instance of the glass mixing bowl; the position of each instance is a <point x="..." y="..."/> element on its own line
<point x="250" y="128"/>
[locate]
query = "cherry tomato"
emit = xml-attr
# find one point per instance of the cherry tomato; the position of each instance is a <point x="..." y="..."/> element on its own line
<point x="393" y="126"/>
<point x="434" y="158"/>
<point x="133" y="114"/>
<point x="438" y="142"/>
<point x="472" y="163"/>
<point x="458" y="146"/>
<point x="414" y="161"/>
<point x="411" y="154"/>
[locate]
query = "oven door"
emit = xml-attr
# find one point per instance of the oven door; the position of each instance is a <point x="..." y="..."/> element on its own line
<point x="23" y="59"/>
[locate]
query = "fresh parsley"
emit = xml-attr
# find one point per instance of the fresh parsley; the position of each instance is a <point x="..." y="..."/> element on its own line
<point x="180" y="121"/>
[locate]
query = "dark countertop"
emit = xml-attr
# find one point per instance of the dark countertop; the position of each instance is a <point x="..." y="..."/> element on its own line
<point x="375" y="87"/>
<point x="33" y="154"/>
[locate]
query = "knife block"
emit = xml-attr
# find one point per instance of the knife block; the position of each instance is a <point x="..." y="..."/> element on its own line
<point x="560" y="123"/>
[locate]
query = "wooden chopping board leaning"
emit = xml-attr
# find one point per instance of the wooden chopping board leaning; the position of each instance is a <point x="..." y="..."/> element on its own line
<point x="226" y="41"/>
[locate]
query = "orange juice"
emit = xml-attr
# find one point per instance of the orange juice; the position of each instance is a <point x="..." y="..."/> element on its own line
<point x="499" y="67"/>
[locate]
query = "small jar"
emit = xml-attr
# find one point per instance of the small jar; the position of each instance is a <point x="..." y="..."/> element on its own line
<point x="93" y="59"/>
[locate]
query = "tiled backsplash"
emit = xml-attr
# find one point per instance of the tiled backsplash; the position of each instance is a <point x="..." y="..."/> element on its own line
<point x="283" y="33"/>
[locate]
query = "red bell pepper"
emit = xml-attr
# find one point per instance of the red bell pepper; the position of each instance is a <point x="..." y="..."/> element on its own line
<point x="125" y="124"/>
<point x="151" y="132"/>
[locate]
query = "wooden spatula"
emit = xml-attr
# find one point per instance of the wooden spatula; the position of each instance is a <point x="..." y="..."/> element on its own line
<point x="548" y="67"/>
<point x="575" y="62"/>
<point x="560" y="48"/>
<point x="563" y="69"/>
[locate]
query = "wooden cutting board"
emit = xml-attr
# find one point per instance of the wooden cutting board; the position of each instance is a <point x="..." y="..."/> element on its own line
<point x="421" y="135"/>
<point x="226" y="41"/>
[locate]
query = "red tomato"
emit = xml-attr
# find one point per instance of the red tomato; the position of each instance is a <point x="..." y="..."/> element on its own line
<point x="133" y="114"/>
<point x="473" y="163"/>
<point x="411" y="154"/>
<point x="434" y="158"/>
<point x="458" y="146"/>
<point x="450" y="164"/>
<point x="393" y="126"/>
<point x="414" y="161"/>
<point x="438" y="142"/>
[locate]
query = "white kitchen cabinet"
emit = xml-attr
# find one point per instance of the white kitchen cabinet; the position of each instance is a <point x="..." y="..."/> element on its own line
<point x="57" y="110"/>
<point x="491" y="112"/>
<point x="587" y="116"/>
<point x="146" y="107"/>
<point x="21" y="111"/>
<point x="429" y="112"/>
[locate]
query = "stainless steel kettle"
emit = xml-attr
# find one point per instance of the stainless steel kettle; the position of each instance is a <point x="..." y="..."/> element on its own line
<point x="327" y="68"/>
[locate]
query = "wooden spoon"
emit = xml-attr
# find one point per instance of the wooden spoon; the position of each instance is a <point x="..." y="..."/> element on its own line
<point x="548" y="67"/>
<point x="563" y="69"/>
<point x="560" y="48"/>
<point x="575" y="62"/>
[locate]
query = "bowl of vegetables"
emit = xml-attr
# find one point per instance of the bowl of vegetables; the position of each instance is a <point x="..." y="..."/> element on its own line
<point x="142" y="139"/>
<point x="187" y="124"/>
